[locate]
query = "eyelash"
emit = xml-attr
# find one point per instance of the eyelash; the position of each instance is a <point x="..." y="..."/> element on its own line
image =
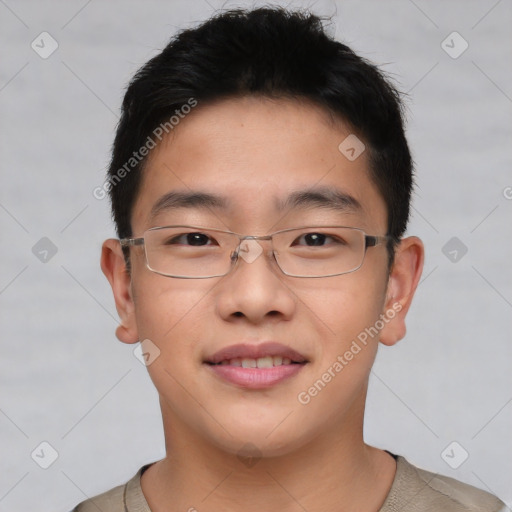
<point x="177" y="237"/>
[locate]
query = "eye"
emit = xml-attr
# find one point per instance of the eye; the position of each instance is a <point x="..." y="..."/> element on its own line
<point x="318" y="239"/>
<point x="195" y="239"/>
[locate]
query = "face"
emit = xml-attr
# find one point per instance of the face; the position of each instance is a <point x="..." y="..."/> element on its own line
<point x="255" y="153"/>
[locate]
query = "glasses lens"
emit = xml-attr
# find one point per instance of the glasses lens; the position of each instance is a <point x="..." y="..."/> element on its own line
<point x="319" y="251"/>
<point x="195" y="252"/>
<point x="186" y="251"/>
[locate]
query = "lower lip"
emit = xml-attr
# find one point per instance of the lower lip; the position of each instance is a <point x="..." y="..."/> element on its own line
<point x="256" y="378"/>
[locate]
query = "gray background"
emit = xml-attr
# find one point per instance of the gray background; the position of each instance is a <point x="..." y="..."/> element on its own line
<point x="66" y="380"/>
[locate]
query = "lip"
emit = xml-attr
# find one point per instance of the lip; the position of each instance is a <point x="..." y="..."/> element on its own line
<point x="268" y="348"/>
<point x="255" y="378"/>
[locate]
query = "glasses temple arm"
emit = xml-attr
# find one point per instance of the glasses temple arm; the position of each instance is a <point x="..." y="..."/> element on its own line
<point x="131" y="242"/>
<point x="373" y="240"/>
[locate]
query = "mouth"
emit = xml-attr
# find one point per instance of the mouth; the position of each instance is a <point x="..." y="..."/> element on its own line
<point x="256" y="366"/>
<point x="262" y="355"/>
<point x="261" y="362"/>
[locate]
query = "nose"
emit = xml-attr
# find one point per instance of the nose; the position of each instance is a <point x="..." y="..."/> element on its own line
<point x="255" y="289"/>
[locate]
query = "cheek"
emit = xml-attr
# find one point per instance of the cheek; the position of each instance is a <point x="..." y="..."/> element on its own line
<point x="170" y="311"/>
<point x="346" y="312"/>
<point x="342" y="307"/>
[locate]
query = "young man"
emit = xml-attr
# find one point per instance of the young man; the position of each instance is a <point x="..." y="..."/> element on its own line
<point x="260" y="186"/>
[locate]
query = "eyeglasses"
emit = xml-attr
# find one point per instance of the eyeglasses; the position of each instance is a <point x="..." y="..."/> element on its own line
<point x="194" y="252"/>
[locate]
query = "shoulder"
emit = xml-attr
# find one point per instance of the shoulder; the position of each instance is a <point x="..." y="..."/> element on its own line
<point x="124" y="497"/>
<point x="109" y="501"/>
<point x="420" y="490"/>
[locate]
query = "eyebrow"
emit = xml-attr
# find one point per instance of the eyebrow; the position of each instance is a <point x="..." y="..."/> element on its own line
<point x="324" y="197"/>
<point x="329" y="198"/>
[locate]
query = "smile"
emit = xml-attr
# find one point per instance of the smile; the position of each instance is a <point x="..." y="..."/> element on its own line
<point x="261" y="362"/>
<point x="248" y="374"/>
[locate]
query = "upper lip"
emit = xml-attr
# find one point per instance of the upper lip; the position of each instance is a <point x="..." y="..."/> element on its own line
<point x="269" y="348"/>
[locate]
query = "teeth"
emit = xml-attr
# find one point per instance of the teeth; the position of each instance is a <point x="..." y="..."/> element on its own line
<point x="265" y="362"/>
<point x="261" y="362"/>
<point x="248" y="363"/>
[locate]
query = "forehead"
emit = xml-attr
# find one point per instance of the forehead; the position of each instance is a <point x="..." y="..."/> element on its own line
<point x="249" y="159"/>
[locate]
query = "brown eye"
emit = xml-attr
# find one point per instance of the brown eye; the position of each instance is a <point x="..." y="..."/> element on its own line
<point x="192" y="239"/>
<point x="318" y="239"/>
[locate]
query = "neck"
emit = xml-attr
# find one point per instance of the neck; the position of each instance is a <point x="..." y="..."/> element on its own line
<point x="334" y="471"/>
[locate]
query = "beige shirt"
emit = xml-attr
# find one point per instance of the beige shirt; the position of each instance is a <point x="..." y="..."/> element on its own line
<point x="413" y="490"/>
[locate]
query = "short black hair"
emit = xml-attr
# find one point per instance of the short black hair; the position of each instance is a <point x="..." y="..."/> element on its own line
<point x="270" y="52"/>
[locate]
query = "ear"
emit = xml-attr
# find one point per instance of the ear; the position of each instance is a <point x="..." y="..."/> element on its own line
<point x="403" y="280"/>
<point x="114" y="267"/>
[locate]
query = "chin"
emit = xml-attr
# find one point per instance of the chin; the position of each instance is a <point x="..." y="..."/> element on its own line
<point x="261" y="441"/>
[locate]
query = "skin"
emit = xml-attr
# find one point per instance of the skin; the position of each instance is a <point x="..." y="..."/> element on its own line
<point x="311" y="456"/>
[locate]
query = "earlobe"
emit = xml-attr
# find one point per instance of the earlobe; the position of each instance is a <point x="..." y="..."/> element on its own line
<point x="114" y="267"/>
<point x="403" y="281"/>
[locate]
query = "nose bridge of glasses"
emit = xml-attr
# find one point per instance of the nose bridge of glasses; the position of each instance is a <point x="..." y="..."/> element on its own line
<point x="255" y="237"/>
<point x="251" y="248"/>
